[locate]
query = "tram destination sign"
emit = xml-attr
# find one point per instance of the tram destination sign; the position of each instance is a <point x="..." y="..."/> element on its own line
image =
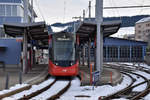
<point x="63" y="38"/>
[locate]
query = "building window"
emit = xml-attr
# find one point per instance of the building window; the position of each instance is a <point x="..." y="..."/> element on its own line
<point x="14" y="10"/>
<point x="11" y="1"/>
<point x="11" y="10"/>
<point x="8" y="10"/>
<point x="139" y="37"/>
<point x="148" y="24"/>
<point x="148" y="31"/>
<point x="139" y="26"/>
<point x="2" y="10"/>
<point x="20" y="11"/>
<point x="139" y="31"/>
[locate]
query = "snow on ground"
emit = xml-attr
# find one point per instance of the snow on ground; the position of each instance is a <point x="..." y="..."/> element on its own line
<point x="139" y="80"/>
<point x="77" y="90"/>
<point x="104" y="90"/>
<point x="144" y="65"/>
<point x="147" y="97"/>
<point x="144" y="74"/>
<point x="120" y="99"/>
<point x="59" y="85"/>
<point x="147" y="76"/>
<point x="17" y="86"/>
<point x="141" y="87"/>
<point x="33" y="89"/>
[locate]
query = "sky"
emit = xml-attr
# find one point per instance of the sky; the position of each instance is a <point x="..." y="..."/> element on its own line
<point x="53" y="11"/>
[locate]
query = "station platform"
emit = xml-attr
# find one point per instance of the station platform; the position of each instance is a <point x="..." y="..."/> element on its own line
<point x="14" y="72"/>
<point x="108" y="76"/>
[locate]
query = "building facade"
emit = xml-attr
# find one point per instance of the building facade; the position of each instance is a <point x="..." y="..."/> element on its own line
<point x="142" y="30"/>
<point x="121" y="50"/>
<point x="13" y="11"/>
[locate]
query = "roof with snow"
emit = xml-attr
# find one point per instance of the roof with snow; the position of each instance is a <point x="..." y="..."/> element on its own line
<point x="147" y="19"/>
<point x="58" y="29"/>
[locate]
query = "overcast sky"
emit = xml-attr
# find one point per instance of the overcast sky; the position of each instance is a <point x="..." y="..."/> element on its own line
<point x="63" y="10"/>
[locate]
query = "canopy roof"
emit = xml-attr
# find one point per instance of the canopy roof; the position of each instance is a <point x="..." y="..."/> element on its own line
<point x="88" y="29"/>
<point x="38" y="31"/>
<point x="35" y="31"/>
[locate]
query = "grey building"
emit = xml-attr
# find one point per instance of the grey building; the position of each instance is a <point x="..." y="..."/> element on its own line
<point x="142" y="30"/>
<point x="13" y="11"/>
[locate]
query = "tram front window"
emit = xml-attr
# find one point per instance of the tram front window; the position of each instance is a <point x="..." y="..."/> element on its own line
<point x="64" y="51"/>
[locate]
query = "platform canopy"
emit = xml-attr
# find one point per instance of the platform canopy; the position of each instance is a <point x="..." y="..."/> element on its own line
<point x="88" y="29"/>
<point x="34" y="31"/>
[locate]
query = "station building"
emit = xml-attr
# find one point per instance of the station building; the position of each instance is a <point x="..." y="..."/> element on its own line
<point x="120" y="50"/>
<point x="13" y="11"/>
<point x="123" y="50"/>
<point x="10" y="51"/>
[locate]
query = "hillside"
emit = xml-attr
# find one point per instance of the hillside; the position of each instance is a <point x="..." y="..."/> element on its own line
<point x="126" y="21"/>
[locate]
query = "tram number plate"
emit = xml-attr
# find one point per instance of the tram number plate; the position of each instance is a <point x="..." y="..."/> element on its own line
<point x="96" y="76"/>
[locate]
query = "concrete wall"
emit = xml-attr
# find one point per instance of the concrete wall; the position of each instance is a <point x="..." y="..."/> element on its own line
<point x="12" y="52"/>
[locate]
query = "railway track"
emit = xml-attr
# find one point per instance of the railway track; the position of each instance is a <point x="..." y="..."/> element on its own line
<point x="127" y="92"/>
<point x="29" y="96"/>
<point x="33" y="93"/>
<point x="55" y="96"/>
<point x="147" y="90"/>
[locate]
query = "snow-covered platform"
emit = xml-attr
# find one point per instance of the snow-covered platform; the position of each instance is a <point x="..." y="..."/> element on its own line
<point x="108" y="76"/>
<point x="37" y="73"/>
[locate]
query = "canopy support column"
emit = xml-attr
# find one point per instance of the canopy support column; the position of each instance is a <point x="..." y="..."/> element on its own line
<point x="89" y="52"/>
<point x="99" y="37"/>
<point x="25" y="53"/>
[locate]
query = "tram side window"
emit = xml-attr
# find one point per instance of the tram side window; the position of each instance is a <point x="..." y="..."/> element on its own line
<point x="50" y="50"/>
<point x="50" y="53"/>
